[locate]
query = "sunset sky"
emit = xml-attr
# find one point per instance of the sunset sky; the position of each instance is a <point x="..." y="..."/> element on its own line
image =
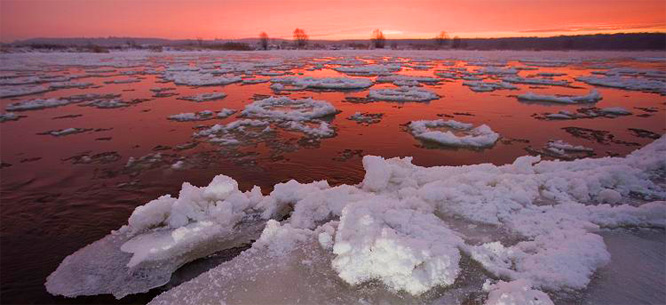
<point x="326" y="19"/>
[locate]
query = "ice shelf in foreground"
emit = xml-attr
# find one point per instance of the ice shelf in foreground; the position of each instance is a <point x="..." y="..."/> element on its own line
<point x="404" y="228"/>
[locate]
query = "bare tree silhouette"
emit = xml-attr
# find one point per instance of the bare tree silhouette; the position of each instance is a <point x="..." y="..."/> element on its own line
<point x="300" y="38"/>
<point x="378" y="39"/>
<point x="263" y="40"/>
<point x="442" y="39"/>
<point x="456" y="43"/>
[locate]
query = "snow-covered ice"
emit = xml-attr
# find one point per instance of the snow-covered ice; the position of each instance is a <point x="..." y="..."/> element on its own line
<point x="203" y="97"/>
<point x="403" y="94"/>
<point x="327" y="83"/>
<point x="592" y="97"/>
<point x="284" y="108"/>
<point x="37" y="104"/>
<point x="481" y="136"/>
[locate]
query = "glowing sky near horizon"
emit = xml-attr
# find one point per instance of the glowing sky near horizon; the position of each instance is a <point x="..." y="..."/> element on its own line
<point x="325" y="19"/>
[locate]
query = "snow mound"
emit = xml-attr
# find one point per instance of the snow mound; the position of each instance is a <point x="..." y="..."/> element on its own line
<point x="481" y="136"/>
<point x="403" y="94"/>
<point x="403" y="247"/>
<point x="592" y="97"/>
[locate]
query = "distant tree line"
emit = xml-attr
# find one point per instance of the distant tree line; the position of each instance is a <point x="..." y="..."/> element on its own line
<point x="633" y="41"/>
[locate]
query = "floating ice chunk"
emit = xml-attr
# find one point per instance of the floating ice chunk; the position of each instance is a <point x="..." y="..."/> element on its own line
<point x="193" y="116"/>
<point x="518" y="292"/>
<point x="235" y="125"/>
<point x="299" y="83"/>
<point x="284" y="108"/>
<point x="107" y="104"/>
<point x="12" y="91"/>
<point x="195" y="78"/>
<point x="407" y="78"/>
<point x="9" y="116"/>
<point x="203" y="97"/>
<point x="69" y="84"/>
<point x="180" y="164"/>
<point x="27" y="80"/>
<point x="366" y="118"/>
<point x="403" y="94"/>
<point x="37" y="104"/>
<point x="535" y="81"/>
<point x="369" y="70"/>
<point x="67" y="131"/>
<point x="405" y="248"/>
<point x="318" y="129"/>
<point x="627" y="83"/>
<point x="615" y="111"/>
<point x="127" y="80"/>
<point x="497" y="71"/>
<point x="479" y="86"/>
<point x="250" y="81"/>
<point x="592" y="97"/>
<point x="224" y="140"/>
<point x="481" y="136"/>
<point x="561" y="115"/>
<point x="560" y="145"/>
<point x="225" y="113"/>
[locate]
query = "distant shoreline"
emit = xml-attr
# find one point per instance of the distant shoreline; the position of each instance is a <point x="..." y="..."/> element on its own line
<point x="599" y="42"/>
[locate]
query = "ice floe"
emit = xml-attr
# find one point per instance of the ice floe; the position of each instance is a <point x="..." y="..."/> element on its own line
<point x="195" y="78"/>
<point x="284" y="108"/>
<point x="204" y="97"/>
<point x="627" y="83"/>
<point x="37" y="104"/>
<point x="535" y="81"/>
<point x="9" y="116"/>
<point x="326" y="83"/>
<point x="369" y="70"/>
<point x="592" y="97"/>
<point x="481" y="136"/>
<point x="12" y="91"/>
<point x="481" y="86"/>
<point x="403" y="94"/>
<point x="366" y="118"/>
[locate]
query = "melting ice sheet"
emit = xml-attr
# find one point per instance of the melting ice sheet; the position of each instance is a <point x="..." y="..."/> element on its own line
<point x="406" y="234"/>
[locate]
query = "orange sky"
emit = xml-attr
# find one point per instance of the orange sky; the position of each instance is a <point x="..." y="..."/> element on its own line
<point x="325" y="19"/>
